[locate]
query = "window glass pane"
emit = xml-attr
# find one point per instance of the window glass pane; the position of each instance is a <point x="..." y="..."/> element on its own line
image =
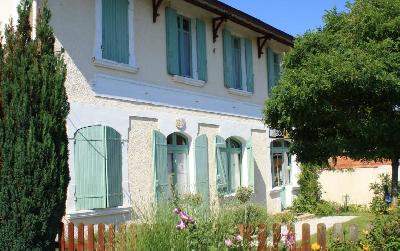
<point x="169" y="139"/>
<point x="277" y="174"/>
<point x="237" y="66"/>
<point x="287" y="144"/>
<point x="277" y="143"/>
<point x="180" y="140"/>
<point x="185" y="47"/>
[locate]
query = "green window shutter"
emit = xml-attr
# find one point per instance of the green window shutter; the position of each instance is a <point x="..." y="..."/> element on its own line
<point x="228" y="59"/>
<point x="201" y="153"/>
<point x="115" y="31"/>
<point x="89" y="165"/>
<point x="277" y="68"/>
<point x="171" y="20"/>
<point x="250" y="162"/>
<point x="249" y="65"/>
<point x="201" y="49"/>
<point x="222" y="165"/>
<point x="114" y="167"/>
<point x="160" y="166"/>
<point x="270" y="70"/>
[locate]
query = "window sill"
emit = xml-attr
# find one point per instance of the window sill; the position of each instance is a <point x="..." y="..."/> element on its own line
<point x="239" y="92"/>
<point x="104" y="63"/>
<point x="98" y="212"/>
<point x="188" y="81"/>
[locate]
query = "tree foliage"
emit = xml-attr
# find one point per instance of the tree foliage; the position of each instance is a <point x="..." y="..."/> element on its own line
<point x="339" y="94"/>
<point x="34" y="173"/>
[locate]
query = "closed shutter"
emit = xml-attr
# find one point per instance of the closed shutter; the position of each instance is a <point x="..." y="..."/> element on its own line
<point x="89" y="165"/>
<point x="115" y="31"/>
<point x="250" y="162"/>
<point x="249" y="65"/>
<point x="201" y="50"/>
<point x="171" y="20"/>
<point x="160" y="166"/>
<point x="271" y="70"/>
<point x="222" y="165"/>
<point x="114" y="167"/>
<point x="201" y="153"/>
<point x="228" y="59"/>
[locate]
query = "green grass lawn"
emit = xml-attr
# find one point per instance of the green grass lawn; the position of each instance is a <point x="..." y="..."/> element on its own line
<point x="361" y="221"/>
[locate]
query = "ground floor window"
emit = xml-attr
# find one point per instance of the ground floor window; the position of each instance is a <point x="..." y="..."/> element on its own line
<point x="98" y="167"/>
<point x="281" y="163"/>
<point x="177" y="161"/>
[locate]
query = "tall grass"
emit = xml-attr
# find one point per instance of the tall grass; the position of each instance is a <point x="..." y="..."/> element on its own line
<point x="156" y="229"/>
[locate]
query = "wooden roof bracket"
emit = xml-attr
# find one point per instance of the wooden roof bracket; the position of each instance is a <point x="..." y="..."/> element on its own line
<point x="156" y="6"/>
<point x="216" y="23"/>
<point x="261" y="41"/>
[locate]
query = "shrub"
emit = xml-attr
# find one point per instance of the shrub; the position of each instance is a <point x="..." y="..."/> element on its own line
<point x="310" y="189"/>
<point x="378" y="204"/>
<point x="385" y="231"/>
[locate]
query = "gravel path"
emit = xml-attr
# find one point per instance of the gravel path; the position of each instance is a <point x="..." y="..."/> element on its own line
<point x="329" y="221"/>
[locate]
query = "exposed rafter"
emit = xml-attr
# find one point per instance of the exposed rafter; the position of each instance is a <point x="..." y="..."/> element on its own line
<point x="156" y="6"/>
<point x="261" y="41"/>
<point x="217" y="22"/>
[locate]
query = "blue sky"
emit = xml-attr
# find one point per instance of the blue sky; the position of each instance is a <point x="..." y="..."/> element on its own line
<point x="292" y="16"/>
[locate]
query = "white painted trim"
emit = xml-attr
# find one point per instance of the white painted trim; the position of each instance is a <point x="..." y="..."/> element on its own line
<point x="239" y="92"/>
<point x="276" y="190"/>
<point x="104" y="63"/>
<point x="34" y="17"/>
<point x="132" y="90"/>
<point x="97" y="51"/>
<point x="76" y="215"/>
<point x="188" y="81"/>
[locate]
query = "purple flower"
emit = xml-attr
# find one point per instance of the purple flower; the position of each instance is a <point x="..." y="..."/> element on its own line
<point x="290" y="239"/>
<point x="181" y="225"/>
<point x="177" y="210"/>
<point x="185" y="217"/>
<point x="228" y="242"/>
<point x="238" y="238"/>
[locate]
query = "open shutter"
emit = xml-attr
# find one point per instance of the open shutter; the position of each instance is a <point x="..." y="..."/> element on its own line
<point x="249" y="65"/>
<point x="115" y="32"/>
<point x="172" y="41"/>
<point x="271" y="70"/>
<point x="160" y="165"/>
<point x="228" y="59"/>
<point x="250" y="162"/>
<point x="114" y="167"/>
<point x="201" y="49"/>
<point x="222" y="165"/>
<point x="89" y="164"/>
<point x="201" y="153"/>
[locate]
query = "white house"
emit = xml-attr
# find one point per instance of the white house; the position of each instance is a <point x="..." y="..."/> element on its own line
<point x="162" y="89"/>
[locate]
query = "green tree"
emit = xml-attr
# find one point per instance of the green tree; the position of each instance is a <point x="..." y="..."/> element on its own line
<point x="339" y="94"/>
<point x="34" y="174"/>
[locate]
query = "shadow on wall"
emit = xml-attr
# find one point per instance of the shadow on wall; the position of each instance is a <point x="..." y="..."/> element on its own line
<point x="260" y="187"/>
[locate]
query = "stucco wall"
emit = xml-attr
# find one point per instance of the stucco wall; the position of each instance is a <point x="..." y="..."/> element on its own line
<point x="355" y="182"/>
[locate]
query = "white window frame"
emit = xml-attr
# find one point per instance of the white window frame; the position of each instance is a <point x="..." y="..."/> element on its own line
<point x="243" y="91"/>
<point x="98" y="59"/>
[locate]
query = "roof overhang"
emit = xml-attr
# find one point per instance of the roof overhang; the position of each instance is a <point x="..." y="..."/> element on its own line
<point x="241" y="18"/>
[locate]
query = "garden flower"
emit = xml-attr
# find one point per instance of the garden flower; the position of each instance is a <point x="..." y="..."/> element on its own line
<point x="315" y="246"/>
<point x="228" y="242"/>
<point x="290" y="240"/>
<point x="177" y="210"/>
<point x="365" y="247"/>
<point x="365" y="232"/>
<point x="238" y="238"/>
<point x="185" y="217"/>
<point x="181" y="225"/>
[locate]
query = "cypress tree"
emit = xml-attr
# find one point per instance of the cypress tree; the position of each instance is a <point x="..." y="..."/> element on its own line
<point x="34" y="172"/>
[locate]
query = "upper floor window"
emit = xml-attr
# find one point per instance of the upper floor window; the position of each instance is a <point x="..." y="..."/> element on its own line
<point x="114" y="32"/>
<point x="238" y="62"/>
<point x="186" y="46"/>
<point x="274" y="65"/>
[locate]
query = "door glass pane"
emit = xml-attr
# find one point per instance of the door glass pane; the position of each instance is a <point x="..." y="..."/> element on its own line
<point x="180" y="172"/>
<point x="170" y="167"/>
<point x="235" y="176"/>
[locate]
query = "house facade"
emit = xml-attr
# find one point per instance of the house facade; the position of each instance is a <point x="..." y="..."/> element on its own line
<point x="168" y="92"/>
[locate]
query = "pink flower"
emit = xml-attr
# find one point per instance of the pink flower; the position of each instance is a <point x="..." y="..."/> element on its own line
<point x="238" y="238"/>
<point x="181" y="225"/>
<point x="185" y="217"/>
<point x="177" y="210"/>
<point x="228" y="242"/>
